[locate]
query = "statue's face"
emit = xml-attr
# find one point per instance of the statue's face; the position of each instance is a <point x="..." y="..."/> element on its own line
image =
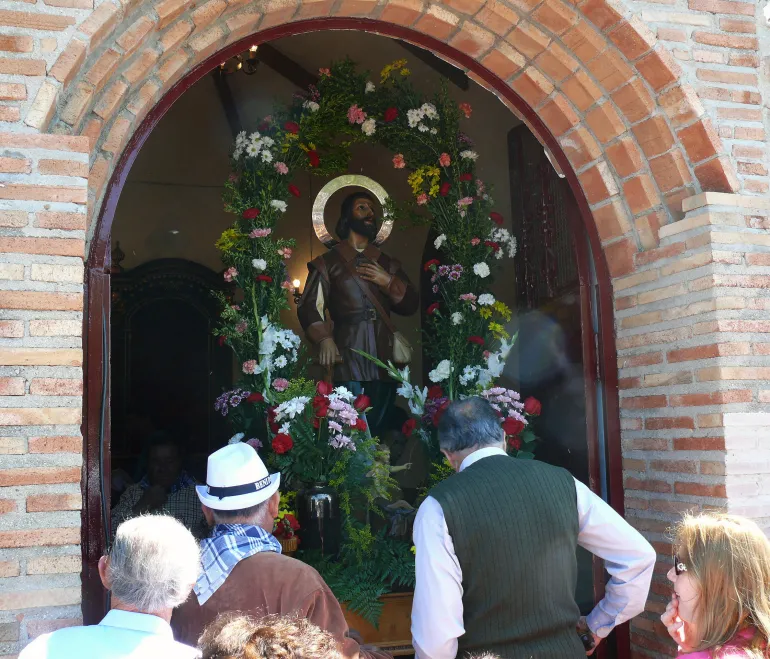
<point x="363" y="219"/>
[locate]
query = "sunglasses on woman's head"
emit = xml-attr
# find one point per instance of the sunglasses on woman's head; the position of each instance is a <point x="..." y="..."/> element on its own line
<point x="679" y="567"/>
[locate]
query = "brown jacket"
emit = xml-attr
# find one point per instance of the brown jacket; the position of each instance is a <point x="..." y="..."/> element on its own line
<point x="355" y="322"/>
<point x="269" y="583"/>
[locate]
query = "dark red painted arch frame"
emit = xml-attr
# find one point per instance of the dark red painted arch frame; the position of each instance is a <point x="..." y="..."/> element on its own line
<point x="599" y="356"/>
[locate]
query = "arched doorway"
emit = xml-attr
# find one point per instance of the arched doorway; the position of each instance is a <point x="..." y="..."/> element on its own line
<point x="595" y="306"/>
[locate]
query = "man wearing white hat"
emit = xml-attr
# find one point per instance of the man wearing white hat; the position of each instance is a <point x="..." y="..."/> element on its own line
<point x="242" y="566"/>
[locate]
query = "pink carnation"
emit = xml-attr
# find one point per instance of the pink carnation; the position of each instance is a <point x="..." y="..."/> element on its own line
<point x="468" y="297"/>
<point x="260" y="233"/>
<point x="422" y="199"/>
<point x="280" y="384"/>
<point x="281" y="168"/>
<point x="398" y="161"/>
<point x="285" y="252"/>
<point x="249" y="366"/>
<point x="324" y="72"/>
<point x="241" y="326"/>
<point x="475" y="241"/>
<point x="465" y="201"/>
<point x="356" y="115"/>
<point x="287" y="284"/>
<point x="444" y="160"/>
<point x="230" y="274"/>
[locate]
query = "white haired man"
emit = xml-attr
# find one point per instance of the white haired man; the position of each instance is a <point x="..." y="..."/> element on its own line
<point x="150" y="570"/>
<point x="243" y="569"/>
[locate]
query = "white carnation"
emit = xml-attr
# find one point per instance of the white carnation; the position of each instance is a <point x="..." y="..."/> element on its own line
<point x="368" y="127"/>
<point x="278" y="205"/>
<point x="441" y="372"/>
<point x="486" y="299"/>
<point x="439" y="241"/>
<point x="259" y="264"/>
<point x="469" y="155"/>
<point x="457" y="318"/>
<point x="481" y="270"/>
<point x="369" y="87"/>
<point x="311" y="105"/>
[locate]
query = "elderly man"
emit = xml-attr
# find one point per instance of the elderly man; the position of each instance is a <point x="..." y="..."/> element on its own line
<point x="150" y="569"/>
<point x="496" y="563"/>
<point x="243" y="569"/>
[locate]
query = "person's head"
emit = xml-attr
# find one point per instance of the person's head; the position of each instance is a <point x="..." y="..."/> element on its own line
<point x="152" y="565"/>
<point x="239" y="489"/>
<point x="467" y="426"/>
<point x="358" y="213"/>
<point x="164" y="461"/>
<point x="234" y="636"/>
<point x="721" y="577"/>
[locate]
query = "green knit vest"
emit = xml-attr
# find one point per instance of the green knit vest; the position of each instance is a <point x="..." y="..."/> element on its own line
<point x="514" y="525"/>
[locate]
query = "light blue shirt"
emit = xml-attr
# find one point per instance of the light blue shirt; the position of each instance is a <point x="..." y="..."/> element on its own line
<point x="120" y="635"/>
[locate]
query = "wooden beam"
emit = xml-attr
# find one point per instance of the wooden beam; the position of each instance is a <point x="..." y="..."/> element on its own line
<point x="285" y="66"/>
<point x="450" y="72"/>
<point x="228" y="104"/>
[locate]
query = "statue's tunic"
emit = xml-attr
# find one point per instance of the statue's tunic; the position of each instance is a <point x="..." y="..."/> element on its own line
<point x="356" y="324"/>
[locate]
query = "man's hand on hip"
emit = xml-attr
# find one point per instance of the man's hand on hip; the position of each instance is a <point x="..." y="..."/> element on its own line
<point x="590" y="640"/>
<point x="328" y="354"/>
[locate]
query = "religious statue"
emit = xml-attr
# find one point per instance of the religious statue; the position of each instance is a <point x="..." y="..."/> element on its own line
<point x="346" y="281"/>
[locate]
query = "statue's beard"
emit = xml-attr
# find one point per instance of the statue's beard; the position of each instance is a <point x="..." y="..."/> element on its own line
<point x="362" y="228"/>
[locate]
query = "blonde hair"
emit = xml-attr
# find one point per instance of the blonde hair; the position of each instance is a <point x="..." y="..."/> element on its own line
<point x="729" y="558"/>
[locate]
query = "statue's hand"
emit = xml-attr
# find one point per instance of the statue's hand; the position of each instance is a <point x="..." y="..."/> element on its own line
<point x="328" y="354"/>
<point x="374" y="273"/>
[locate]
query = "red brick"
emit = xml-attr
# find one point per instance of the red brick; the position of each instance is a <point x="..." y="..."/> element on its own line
<point x="640" y="194"/>
<point x="43" y="503"/>
<point x="723" y="7"/>
<point x="555" y="16"/>
<point x="744" y="59"/>
<point x="62" y="168"/>
<point x="731" y="95"/>
<point x="654" y="136"/>
<point x="40" y="538"/>
<point x="532" y="86"/>
<point x="681" y="105"/>
<point x="736" y="25"/>
<point x="15" y="165"/>
<point x="11" y="329"/>
<point x="117" y="136"/>
<point x="110" y="100"/>
<point x="629" y="383"/>
<point x="495" y="16"/>
<point x="603" y="13"/>
<point x="633" y="38"/>
<point x="645" y="359"/>
<point x="670" y="170"/>
<point x="610" y="70"/>
<point x="13" y="91"/>
<point x="625" y="157"/>
<point x="713" y="398"/>
<point x="55" y="445"/>
<point x="659" y="69"/>
<point x="34" y="21"/>
<point x="11" y="386"/>
<point x="134" y="36"/>
<point x="620" y="257"/>
<point x="605" y="122"/>
<point x="612" y="221"/>
<point x="558" y="115"/>
<point x="19" y="44"/>
<point x="581" y="90"/>
<point x="556" y="63"/>
<point x="752" y="169"/>
<point x="727" y="77"/>
<point x="667" y="423"/>
<point x="22" y="67"/>
<point x="700" y="490"/>
<point x="103" y="69"/>
<point x="747" y="133"/>
<point x="676" y="466"/>
<point x="504" y="61"/>
<point x="140" y="66"/>
<point x="725" y="40"/>
<point x="740" y="151"/>
<point x="528" y="40"/>
<point x="101" y="22"/>
<point x="646" y="485"/>
<point x="7" y="506"/>
<point x="39" y="476"/>
<point x="580" y="147"/>
<point x="9" y="569"/>
<point x="670" y="34"/>
<point x="667" y="252"/>
<point x="60" y="220"/>
<point x="472" y="39"/>
<point x="597" y="183"/>
<point x="41" y="301"/>
<point x="585" y="42"/>
<point x="49" y="246"/>
<point x="56" y="387"/>
<point x="15" y="219"/>
<point x="634" y="101"/>
<point x="643" y="402"/>
<point x="717" y="175"/>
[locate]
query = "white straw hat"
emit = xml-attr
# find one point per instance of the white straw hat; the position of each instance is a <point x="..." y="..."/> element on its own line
<point x="236" y="478"/>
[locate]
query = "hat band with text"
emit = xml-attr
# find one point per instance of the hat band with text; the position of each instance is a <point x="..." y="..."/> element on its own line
<point x="236" y="490"/>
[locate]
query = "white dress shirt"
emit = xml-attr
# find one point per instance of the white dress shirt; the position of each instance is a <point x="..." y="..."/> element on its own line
<point x="437" y="612"/>
<point x="120" y="635"/>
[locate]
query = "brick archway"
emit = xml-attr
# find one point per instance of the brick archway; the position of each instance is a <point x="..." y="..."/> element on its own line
<point x="638" y="140"/>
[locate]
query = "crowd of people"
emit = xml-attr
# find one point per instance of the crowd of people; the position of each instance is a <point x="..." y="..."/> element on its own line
<point x="485" y="589"/>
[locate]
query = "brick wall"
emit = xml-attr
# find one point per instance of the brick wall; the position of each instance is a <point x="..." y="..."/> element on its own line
<point x="653" y="102"/>
<point x="42" y="215"/>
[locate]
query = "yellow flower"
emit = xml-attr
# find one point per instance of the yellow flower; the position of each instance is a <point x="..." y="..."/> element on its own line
<point x="498" y="330"/>
<point x="405" y="72"/>
<point x="502" y="309"/>
<point x="413" y="549"/>
<point x="230" y="240"/>
<point x="485" y="312"/>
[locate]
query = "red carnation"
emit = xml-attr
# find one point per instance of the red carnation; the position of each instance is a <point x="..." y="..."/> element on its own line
<point x="476" y="339"/>
<point x="408" y="427"/>
<point x="514" y="442"/>
<point x="435" y="392"/>
<point x="493" y="245"/>
<point x="496" y="218"/>
<point x="436" y="417"/>
<point x="466" y="177"/>
<point x="445" y="188"/>
<point x="433" y="307"/>
<point x="222" y="340"/>
<point x="312" y="156"/>
<point x="282" y="443"/>
<point x="321" y="406"/>
<point x="256" y="397"/>
<point x="532" y="406"/>
<point x="265" y="278"/>
<point x="292" y="127"/>
<point x="250" y="213"/>
<point x="324" y="388"/>
<point x="362" y="402"/>
<point x="360" y="425"/>
<point x="390" y="114"/>
<point x="293" y="189"/>
<point x="430" y="264"/>
<point x="513" y="426"/>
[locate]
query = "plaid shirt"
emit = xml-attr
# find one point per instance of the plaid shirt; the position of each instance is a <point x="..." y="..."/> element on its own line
<point x="220" y="553"/>
<point x="182" y="503"/>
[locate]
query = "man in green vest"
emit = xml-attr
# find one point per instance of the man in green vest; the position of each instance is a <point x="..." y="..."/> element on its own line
<point x="496" y="542"/>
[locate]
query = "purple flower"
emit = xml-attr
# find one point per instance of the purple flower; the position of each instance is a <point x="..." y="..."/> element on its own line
<point x="435" y="289"/>
<point x="443" y="270"/>
<point x="454" y="275"/>
<point x="254" y="443"/>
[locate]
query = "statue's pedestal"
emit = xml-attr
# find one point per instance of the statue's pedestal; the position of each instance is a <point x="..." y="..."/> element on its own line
<point x="394" y="634"/>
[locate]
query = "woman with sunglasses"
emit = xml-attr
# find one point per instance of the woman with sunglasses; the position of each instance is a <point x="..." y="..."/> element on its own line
<point x="720" y="607"/>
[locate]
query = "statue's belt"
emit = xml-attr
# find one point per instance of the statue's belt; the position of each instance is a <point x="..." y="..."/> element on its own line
<point x="367" y="316"/>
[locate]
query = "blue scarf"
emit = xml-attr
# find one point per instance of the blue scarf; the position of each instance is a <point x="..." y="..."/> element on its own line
<point x="224" y="548"/>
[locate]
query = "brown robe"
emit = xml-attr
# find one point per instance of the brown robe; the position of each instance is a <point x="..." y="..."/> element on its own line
<point x="265" y="584"/>
<point x="355" y="321"/>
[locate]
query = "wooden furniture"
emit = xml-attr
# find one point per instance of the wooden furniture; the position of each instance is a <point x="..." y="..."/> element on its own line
<point x="394" y="634"/>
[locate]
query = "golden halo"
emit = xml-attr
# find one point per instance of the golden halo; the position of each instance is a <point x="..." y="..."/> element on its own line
<point x="347" y="181"/>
